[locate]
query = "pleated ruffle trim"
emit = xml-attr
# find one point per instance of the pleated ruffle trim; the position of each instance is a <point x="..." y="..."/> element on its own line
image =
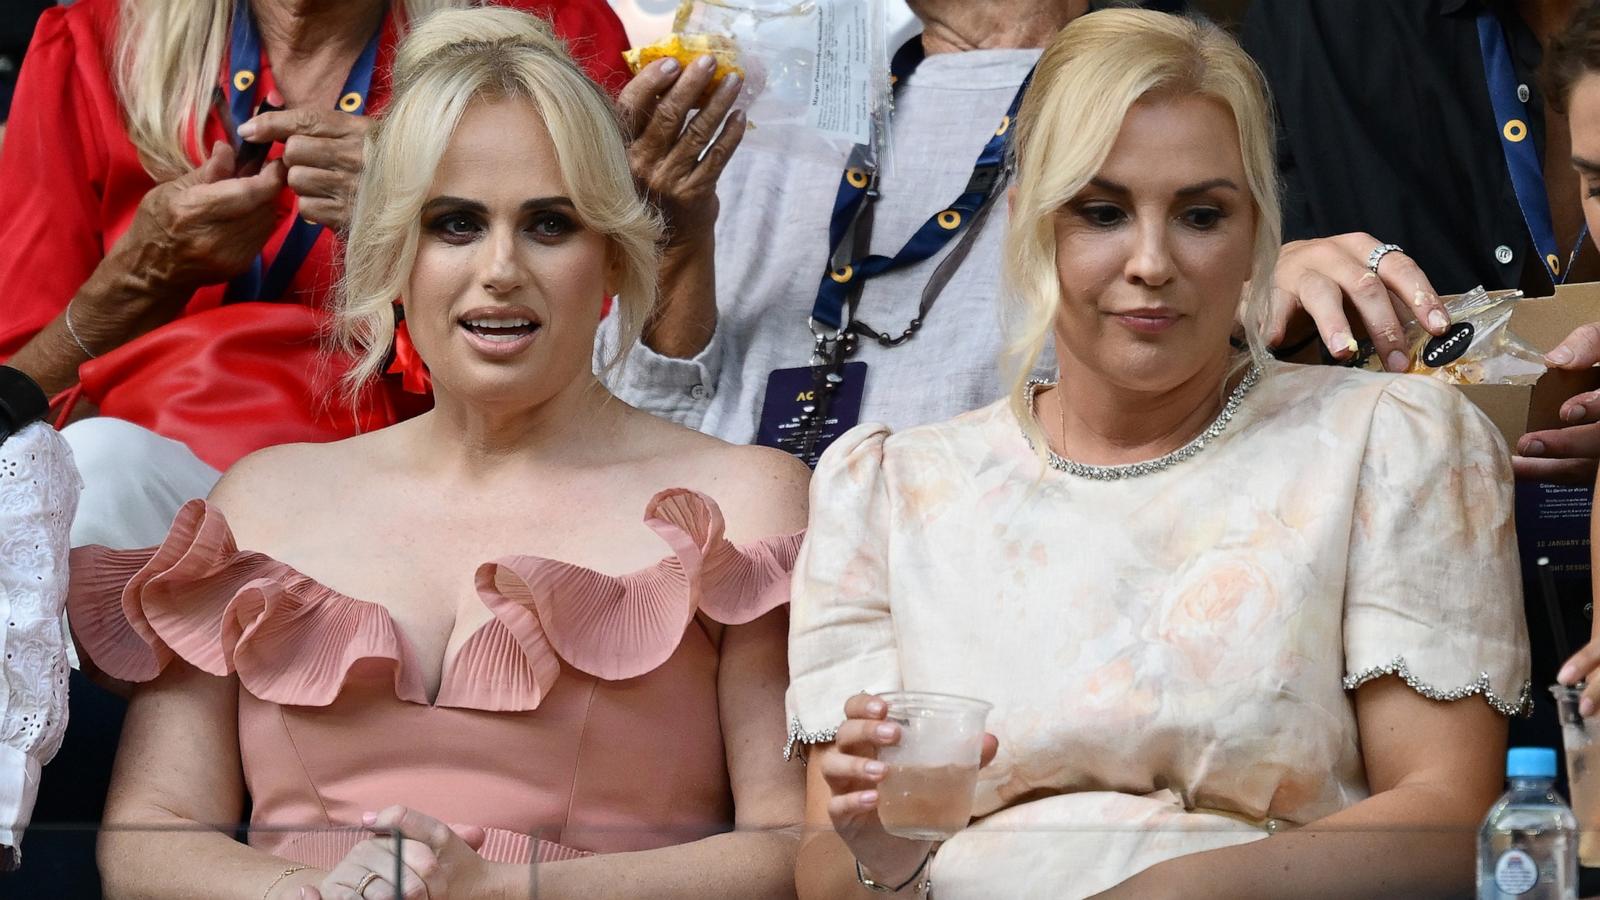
<point x="294" y="641"/>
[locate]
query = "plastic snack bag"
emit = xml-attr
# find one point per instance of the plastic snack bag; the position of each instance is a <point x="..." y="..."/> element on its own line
<point x="813" y="68"/>
<point x="686" y="48"/>
<point x="1478" y="348"/>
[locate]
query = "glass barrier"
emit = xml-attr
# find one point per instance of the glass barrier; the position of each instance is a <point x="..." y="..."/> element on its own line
<point x="58" y="861"/>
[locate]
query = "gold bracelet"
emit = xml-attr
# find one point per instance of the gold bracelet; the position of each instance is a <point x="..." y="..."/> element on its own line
<point x="266" y="894"/>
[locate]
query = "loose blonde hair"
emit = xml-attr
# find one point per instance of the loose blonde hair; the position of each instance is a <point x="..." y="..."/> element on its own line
<point x="1087" y="80"/>
<point x="450" y="59"/>
<point x="168" y="58"/>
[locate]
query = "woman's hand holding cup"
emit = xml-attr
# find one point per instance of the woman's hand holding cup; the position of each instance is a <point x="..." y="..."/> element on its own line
<point x="854" y="774"/>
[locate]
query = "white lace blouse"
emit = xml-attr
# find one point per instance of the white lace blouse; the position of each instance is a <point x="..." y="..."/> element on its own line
<point x="38" y="495"/>
<point x="1170" y="656"/>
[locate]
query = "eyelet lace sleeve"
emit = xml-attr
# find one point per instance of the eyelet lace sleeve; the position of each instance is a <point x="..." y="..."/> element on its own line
<point x="38" y="496"/>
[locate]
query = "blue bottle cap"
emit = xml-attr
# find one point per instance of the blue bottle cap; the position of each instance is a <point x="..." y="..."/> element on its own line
<point x="1530" y="762"/>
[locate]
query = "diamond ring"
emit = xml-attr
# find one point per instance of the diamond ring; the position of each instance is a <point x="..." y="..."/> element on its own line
<point x="1378" y="253"/>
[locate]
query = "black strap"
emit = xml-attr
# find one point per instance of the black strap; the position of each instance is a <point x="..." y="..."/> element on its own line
<point x="22" y="402"/>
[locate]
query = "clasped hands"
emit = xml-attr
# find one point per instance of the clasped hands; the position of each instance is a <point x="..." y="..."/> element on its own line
<point x="432" y="860"/>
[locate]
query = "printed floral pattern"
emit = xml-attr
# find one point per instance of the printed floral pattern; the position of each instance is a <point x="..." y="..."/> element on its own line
<point x="1165" y="653"/>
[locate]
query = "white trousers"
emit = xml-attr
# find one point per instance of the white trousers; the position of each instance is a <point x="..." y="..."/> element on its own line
<point x="134" y="481"/>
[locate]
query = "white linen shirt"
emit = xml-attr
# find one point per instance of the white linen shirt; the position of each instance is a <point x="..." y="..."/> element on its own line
<point x="772" y="251"/>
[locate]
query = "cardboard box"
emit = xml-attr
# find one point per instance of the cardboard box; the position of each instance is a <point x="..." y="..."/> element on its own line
<point x="1543" y="322"/>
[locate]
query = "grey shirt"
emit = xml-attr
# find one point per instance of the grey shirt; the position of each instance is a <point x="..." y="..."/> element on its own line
<point x="772" y="248"/>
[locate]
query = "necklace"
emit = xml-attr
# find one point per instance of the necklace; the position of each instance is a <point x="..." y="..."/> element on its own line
<point x="1134" y="470"/>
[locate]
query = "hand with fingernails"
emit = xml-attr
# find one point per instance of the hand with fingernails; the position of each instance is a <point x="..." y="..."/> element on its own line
<point x="1329" y="278"/>
<point x="201" y="228"/>
<point x="851" y="768"/>
<point x="1567" y="455"/>
<point x="322" y="150"/>
<point x="1580" y="669"/>
<point x="432" y="861"/>
<point x="676" y="152"/>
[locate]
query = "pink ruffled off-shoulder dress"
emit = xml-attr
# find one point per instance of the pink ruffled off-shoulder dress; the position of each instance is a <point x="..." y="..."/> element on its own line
<point x="581" y="718"/>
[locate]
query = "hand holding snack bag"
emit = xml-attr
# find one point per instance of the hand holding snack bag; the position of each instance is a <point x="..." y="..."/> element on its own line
<point x="1478" y="347"/>
<point x="812" y="70"/>
<point x="682" y="131"/>
<point x="686" y="49"/>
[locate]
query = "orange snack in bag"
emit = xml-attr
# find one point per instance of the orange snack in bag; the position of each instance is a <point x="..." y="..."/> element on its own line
<point x="686" y="48"/>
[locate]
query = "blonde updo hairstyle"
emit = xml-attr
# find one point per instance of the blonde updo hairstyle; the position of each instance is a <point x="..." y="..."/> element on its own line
<point x="1086" y="82"/>
<point x="449" y="60"/>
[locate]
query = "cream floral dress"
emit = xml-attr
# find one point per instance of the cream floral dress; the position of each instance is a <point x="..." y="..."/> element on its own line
<point x="1171" y="656"/>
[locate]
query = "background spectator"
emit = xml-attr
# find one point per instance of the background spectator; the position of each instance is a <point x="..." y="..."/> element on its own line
<point x="124" y="221"/>
<point x="732" y="344"/>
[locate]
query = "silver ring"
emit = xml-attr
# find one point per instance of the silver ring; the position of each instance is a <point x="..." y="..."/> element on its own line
<point x="1378" y="253"/>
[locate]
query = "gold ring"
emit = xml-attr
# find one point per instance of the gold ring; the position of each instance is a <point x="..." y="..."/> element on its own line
<point x="365" y="882"/>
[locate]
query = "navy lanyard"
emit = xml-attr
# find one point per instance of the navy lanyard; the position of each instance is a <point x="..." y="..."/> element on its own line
<point x="851" y="265"/>
<point x="1522" y="157"/>
<point x="245" y="59"/>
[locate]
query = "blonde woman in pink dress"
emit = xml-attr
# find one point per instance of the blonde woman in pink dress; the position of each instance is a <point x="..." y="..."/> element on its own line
<point x="533" y="623"/>
<point x="1250" y="630"/>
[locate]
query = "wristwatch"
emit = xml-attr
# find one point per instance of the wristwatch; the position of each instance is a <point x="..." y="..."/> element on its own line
<point x="22" y="402"/>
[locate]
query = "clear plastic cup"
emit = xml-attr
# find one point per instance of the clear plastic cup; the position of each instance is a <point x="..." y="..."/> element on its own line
<point x="927" y="793"/>
<point x="1583" y="771"/>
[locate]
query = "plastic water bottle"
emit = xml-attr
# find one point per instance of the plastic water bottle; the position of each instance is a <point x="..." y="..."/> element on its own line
<point x="1528" y="846"/>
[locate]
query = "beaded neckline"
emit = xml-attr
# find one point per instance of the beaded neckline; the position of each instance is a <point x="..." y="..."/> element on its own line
<point x="1151" y="466"/>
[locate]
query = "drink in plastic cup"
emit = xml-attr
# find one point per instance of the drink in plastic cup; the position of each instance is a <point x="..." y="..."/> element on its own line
<point x="1578" y="736"/>
<point x="927" y="793"/>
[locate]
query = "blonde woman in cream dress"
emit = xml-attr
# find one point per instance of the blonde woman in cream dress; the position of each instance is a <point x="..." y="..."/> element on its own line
<point x="1250" y="629"/>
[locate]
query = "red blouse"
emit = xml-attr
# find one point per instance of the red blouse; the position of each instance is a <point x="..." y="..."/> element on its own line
<point x="71" y="178"/>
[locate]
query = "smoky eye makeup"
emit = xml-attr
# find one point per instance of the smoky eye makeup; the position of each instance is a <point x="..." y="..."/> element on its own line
<point x="453" y="219"/>
<point x="552" y="224"/>
<point x="452" y="226"/>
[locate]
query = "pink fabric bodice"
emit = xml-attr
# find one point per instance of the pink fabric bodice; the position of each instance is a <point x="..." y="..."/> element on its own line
<point x="581" y="718"/>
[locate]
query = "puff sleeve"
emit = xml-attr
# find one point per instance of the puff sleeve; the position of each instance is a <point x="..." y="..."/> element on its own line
<point x="1433" y="594"/>
<point x="841" y="633"/>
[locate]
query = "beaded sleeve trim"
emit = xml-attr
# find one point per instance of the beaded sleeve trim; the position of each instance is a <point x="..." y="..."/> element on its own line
<point x="798" y="735"/>
<point x="1522" y="706"/>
